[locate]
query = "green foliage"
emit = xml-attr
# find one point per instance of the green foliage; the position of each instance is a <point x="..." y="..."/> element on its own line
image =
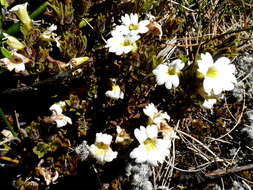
<point x="6" y="53"/>
<point x="144" y="5"/>
<point x="22" y="184"/>
<point x="73" y="45"/>
<point x="77" y="108"/>
<point x="84" y="22"/>
<point x="101" y="23"/>
<point x="4" y="122"/>
<point x="184" y="58"/>
<point x="32" y="130"/>
<point x="64" y="11"/>
<point x="41" y="149"/>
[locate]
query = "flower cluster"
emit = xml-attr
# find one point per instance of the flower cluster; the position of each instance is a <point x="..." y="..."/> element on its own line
<point x="153" y="149"/>
<point x="218" y="76"/>
<point x="125" y="35"/>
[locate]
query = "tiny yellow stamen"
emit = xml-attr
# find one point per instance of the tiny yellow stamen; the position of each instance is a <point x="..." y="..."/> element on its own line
<point x="133" y="27"/>
<point x="115" y="88"/>
<point x="149" y="144"/>
<point x="171" y="71"/>
<point x="212" y="72"/>
<point x="102" y="148"/>
<point x="102" y="145"/>
<point x="126" y="43"/>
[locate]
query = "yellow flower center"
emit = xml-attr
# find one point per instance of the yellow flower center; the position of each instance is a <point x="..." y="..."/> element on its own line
<point x="133" y="27"/>
<point x="212" y="72"/>
<point x="126" y="43"/>
<point x="102" y="145"/>
<point x="149" y="144"/>
<point x="115" y="88"/>
<point x="171" y="71"/>
<point x="102" y="148"/>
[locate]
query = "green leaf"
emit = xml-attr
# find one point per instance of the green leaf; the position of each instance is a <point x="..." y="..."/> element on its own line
<point x="6" y="53"/>
<point x="41" y="149"/>
<point x="84" y="22"/>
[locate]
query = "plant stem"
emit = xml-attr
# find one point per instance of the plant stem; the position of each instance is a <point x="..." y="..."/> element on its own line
<point x="1" y="19"/>
<point x="5" y="123"/>
<point x="1" y="25"/>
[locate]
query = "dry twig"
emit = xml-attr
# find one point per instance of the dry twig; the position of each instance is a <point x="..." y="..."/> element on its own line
<point x="221" y="172"/>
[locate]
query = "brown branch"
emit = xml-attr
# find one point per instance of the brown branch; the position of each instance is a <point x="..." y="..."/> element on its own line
<point x="52" y="60"/>
<point x="62" y="78"/>
<point x="221" y="172"/>
<point x="228" y="33"/>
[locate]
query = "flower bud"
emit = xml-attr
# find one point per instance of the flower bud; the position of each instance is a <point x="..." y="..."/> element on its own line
<point x="13" y="42"/>
<point x="21" y="12"/>
<point x="78" y="60"/>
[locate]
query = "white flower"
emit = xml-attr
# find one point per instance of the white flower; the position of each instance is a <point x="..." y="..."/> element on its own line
<point x="115" y="93"/>
<point x="168" y="73"/>
<point x="208" y="103"/>
<point x="156" y="116"/>
<point x="132" y="25"/>
<point x="16" y="62"/>
<point x="21" y="11"/>
<point x="60" y="119"/>
<point x="57" y="107"/>
<point x="56" y="39"/>
<point x="121" y="30"/>
<point x="122" y="135"/>
<point x="120" y="44"/>
<point x="52" y="28"/>
<point x="13" y="42"/>
<point x="151" y="149"/>
<point x="160" y="119"/>
<point x="101" y="150"/>
<point x="218" y="75"/>
<point x="7" y="134"/>
<point x="57" y="116"/>
<point x="49" y="34"/>
<point x="124" y="36"/>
